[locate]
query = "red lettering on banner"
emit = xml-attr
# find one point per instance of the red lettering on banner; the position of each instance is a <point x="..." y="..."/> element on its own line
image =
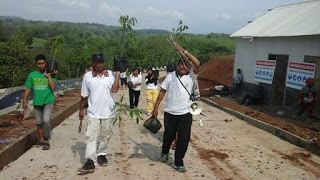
<point x="265" y="63"/>
<point x="301" y="66"/>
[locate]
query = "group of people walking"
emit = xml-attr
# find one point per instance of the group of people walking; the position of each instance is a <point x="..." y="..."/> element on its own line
<point x="134" y="85"/>
<point x="98" y="88"/>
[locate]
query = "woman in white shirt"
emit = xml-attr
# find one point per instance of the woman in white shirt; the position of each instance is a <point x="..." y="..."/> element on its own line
<point x="152" y="90"/>
<point x="134" y="90"/>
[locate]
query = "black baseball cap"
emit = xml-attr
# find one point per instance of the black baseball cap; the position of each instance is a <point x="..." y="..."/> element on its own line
<point x="97" y="57"/>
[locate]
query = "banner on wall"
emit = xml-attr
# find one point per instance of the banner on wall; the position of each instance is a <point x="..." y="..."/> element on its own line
<point x="298" y="73"/>
<point x="264" y="71"/>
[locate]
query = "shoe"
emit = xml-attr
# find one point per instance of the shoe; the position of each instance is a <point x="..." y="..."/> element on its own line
<point x="102" y="160"/>
<point x="45" y="146"/>
<point x="180" y="169"/>
<point x="38" y="144"/>
<point x="88" y="167"/>
<point x="164" y="157"/>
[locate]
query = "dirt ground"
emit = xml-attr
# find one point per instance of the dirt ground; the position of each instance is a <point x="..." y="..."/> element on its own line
<point x="225" y="147"/>
<point x="303" y="132"/>
<point x="12" y="127"/>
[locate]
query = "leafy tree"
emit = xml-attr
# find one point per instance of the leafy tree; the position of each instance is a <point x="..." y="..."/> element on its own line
<point x="15" y="64"/>
<point x="143" y="47"/>
<point x="180" y="31"/>
<point x="126" y="30"/>
<point x="78" y="59"/>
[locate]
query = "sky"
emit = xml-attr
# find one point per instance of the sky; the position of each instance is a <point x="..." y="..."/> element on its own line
<point x="201" y="16"/>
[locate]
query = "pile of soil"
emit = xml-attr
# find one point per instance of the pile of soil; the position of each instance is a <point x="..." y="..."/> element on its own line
<point x="12" y="127"/>
<point x="218" y="71"/>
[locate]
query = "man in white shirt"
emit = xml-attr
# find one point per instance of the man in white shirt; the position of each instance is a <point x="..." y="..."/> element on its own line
<point x="98" y="87"/>
<point x="177" y="117"/>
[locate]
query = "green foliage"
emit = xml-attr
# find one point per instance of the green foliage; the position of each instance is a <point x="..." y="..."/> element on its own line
<point x="25" y="39"/>
<point x="121" y="109"/>
<point x="126" y="30"/>
<point x="126" y="25"/>
<point x="180" y="31"/>
<point x="38" y="42"/>
<point x="55" y="44"/>
<point x="14" y="61"/>
<point x="2" y="35"/>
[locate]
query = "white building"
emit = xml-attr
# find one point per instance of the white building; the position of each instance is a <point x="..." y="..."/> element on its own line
<point x="285" y="34"/>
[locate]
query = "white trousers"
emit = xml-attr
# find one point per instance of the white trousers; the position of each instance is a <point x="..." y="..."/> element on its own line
<point x="99" y="132"/>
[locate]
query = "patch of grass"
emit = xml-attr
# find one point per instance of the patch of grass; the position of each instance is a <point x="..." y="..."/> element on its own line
<point x="38" y="50"/>
<point x="38" y="42"/>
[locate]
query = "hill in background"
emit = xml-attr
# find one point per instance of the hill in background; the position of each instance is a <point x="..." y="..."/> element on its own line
<point x="83" y="30"/>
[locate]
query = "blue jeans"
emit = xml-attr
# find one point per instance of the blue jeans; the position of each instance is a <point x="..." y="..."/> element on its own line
<point x="43" y="115"/>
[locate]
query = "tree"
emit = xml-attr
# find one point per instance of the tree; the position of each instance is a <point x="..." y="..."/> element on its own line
<point x="179" y="32"/>
<point x="78" y="58"/>
<point x="126" y="30"/>
<point x="15" y="64"/>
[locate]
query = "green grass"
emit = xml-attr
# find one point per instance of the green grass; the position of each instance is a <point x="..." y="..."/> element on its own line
<point x="34" y="51"/>
<point x="38" y="42"/>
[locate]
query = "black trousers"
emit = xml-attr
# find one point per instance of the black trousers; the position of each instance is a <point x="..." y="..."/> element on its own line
<point x="134" y="98"/>
<point x="123" y="81"/>
<point x="182" y="125"/>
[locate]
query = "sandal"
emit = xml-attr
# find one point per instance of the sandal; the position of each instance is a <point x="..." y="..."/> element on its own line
<point x="46" y="146"/>
<point x="39" y="144"/>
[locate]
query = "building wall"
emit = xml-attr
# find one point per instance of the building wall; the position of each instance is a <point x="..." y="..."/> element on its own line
<point x="248" y="50"/>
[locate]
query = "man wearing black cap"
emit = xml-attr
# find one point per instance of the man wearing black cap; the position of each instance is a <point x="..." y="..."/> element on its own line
<point x="178" y="85"/>
<point x="98" y="87"/>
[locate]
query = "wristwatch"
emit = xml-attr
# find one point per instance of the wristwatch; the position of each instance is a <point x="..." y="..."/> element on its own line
<point x="185" y="52"/>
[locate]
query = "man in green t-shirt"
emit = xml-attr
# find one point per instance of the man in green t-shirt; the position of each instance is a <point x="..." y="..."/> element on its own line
<point x="42" y="84"/>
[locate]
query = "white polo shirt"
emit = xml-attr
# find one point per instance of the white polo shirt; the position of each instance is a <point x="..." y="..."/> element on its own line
<point x="100" y="96"/>
<point x="178" y="99"/>
<point x="135" y="80"/>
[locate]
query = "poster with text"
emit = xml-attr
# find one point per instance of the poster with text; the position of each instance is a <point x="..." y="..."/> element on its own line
<point x="264" y="71"/>
<point x="298" y="73"/>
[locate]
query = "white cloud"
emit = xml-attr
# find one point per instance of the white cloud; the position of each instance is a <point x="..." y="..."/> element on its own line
<point x="109" y="11"/>
<point x="113" y="11"/>
<point x="75" y="3"/>
<point x="155" y="12"/>
<point x="220" y="17"/>
<point x="148" y="17"/>
<point x="201" y="16"/>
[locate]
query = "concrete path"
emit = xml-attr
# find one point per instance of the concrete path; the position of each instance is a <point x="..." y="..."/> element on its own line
<point x="223" y="148"/>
